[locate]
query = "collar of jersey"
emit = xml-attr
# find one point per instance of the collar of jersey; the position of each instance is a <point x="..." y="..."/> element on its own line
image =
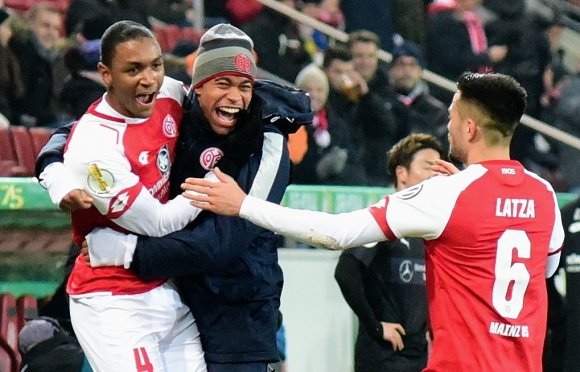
<point x="104" y="111"/>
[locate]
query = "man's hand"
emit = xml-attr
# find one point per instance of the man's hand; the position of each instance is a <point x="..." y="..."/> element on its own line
<point x="394" y="332"/>
<point x="444" y="168"/>
<point x="74" y="200"/>
<point x="224" y="197"/>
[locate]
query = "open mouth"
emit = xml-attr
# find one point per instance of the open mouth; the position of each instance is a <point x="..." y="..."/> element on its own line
<point x="146" y="99"/>
<point x="228" y="114"/>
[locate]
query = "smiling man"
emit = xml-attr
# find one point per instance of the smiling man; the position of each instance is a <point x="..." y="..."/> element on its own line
<point x="120" y="153"/>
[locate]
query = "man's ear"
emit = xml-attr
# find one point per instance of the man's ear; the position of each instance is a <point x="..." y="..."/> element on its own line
<point x="401" y="174"/>
<point x="470" y="129"/>
<point x="105" y="74"/>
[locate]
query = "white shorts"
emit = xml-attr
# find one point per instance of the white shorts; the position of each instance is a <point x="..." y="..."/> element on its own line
<point x="147" y="332"/>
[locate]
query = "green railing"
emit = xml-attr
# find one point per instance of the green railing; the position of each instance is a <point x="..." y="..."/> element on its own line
<point x="26" y="205"/>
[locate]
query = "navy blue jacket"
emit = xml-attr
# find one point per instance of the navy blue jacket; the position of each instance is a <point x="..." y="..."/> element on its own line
<point x="226" y="268"/>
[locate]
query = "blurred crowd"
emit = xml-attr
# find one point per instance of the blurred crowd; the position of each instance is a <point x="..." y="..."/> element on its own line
<point x="49" y="54"/>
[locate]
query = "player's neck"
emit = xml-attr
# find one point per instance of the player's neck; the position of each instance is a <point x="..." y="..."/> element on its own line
<point x="488" y="153"/>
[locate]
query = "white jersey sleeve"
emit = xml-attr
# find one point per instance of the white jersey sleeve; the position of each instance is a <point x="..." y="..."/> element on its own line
<point x="330" y="231"/>
<point x="97" y="161"/>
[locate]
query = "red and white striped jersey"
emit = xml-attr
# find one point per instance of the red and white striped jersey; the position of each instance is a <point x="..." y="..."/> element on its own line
<point x="489" y="230"/>
<point x="124" y="164"/>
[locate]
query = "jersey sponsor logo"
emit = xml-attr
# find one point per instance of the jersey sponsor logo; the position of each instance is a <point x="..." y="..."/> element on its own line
<point x="509" y="330"/>
<point x="209" y="157"/>
<point x="408" y="270"/>
<point x="99" y="180"/>
<point x="121" y="202"/>
<point x="163" y="160"/>
<point x="161" y="187"/>
<point x="410" y="192"/>
<point x="515" y="208"/>
<point x="144" y="158"/>
<point x="169" y="126"/>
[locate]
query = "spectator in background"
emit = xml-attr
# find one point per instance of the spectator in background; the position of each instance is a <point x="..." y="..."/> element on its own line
<point x="373" y="119"/>
<point x="345" y="87"/>
<point x="364" y="48"/>
<point x="323" y="161"/>
<point x="82" y="61"/>
<point x="385" y="285"/>
<point x="415" y="109"/>
<point x="11" y="84"/>
<point x="456" y="42"/>
<point x="37" y="49"/>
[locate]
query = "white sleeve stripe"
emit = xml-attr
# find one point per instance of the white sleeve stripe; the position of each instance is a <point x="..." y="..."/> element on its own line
<point x="269" y="164"/>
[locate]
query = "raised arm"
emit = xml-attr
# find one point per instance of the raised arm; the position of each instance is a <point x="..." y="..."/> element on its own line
<point x="330" y="231"/>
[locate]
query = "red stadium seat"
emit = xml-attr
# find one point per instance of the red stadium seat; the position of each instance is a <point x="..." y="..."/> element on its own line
<point x="40" y="137"/>
<point x="188" y="33"/>
<point x="173" y="33"/>
<point x="9" y="326"/>
<point x="161" y="36"/>
<point x="6" y="146"/>
<point x="27" y="307"/>
<point x="9" y="166"/>
<point x="7" y="360"/>
<point x="24" y="148"/>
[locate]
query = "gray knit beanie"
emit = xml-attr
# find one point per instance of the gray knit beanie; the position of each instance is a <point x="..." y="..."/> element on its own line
<point x="223" y="50"/>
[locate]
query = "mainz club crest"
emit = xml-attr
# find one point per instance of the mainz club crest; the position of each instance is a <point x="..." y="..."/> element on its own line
<point x="242" y="63"/>
<point x="169" y="126"/>
<point x="209" y="157"/>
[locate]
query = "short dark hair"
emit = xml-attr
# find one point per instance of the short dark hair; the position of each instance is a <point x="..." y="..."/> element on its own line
<point x="402" y="153"/>
<point x="340" y="52"/>
<point x="500" y="97"/>
<point x="118" y="33"/>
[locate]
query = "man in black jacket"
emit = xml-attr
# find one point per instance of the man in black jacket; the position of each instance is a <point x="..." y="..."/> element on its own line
<point x="385" y="285"/>
<point x="226" y="268"/>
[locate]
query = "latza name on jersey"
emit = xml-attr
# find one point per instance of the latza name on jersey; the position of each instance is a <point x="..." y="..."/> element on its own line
<point x="508" y="330"/>
<point x="520" y="208"/>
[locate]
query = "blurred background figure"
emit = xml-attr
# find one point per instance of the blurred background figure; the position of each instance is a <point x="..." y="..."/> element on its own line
<point x="456" y="42"/>
<point x="385" y="284"/>
<point x="37" y="49"/>
<point x="415" y="109"/>
<point x="11" y="84"/>
<point x="81" y="62"/>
